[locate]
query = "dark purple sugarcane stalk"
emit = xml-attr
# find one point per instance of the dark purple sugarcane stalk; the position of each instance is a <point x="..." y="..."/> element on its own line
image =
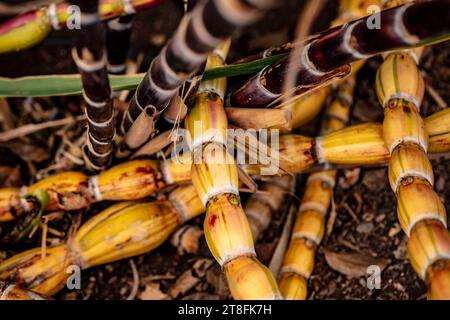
<point x="117" y="43"/>
<point x="200" y="31"/>
<point x="405" y="26"/>
<point x="89" y="55"/>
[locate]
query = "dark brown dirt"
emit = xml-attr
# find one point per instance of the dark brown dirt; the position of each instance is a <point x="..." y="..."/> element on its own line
<point x="372" y="230"/>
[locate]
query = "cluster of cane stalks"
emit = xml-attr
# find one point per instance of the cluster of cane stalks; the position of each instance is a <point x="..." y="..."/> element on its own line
<point x="121" y="231"/>
<point x="134" y="227"/>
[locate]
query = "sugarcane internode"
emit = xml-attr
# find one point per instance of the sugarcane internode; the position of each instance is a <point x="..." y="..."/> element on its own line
<point x="420" y="211"/>
<point x="123" y="230"/>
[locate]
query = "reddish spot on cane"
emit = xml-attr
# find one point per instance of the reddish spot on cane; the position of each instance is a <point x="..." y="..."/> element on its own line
<point x="212" y="220"/>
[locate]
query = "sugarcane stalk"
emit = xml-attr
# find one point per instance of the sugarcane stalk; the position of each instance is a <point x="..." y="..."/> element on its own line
<point x="400" y="89"/>
<point x="327" y="56"/>
<point x="30" y="28"/>
<point x="121" y="231"/>
<point x="199" y="33"/>
<point x="308" y="231"/>
<point x="215" y="177"/>
<point x="13" y="292"/>
<point x="89" y="55"/>
<point x="73" y="190"/>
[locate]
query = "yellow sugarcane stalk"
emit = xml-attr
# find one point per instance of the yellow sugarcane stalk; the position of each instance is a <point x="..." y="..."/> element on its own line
<point x="308" y="231"/>
<point x="215" y="177"/>
<point x="400" y="89"/>
<point x="130" y="180"/>
<point x="123" y="230"/>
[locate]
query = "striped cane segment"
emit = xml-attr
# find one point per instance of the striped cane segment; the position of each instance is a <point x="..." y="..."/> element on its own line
<point x="309" y="227"/>
<point x="121" y="231"/>
<point x="201" y="30"/>
<point x="326" y="56"/>
<point x="400" y="89"/>
<point x="89" y="55"/>
<point x="117" y="43"/>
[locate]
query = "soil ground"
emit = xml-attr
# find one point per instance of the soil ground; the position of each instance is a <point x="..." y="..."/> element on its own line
<point x="365" y="225"/>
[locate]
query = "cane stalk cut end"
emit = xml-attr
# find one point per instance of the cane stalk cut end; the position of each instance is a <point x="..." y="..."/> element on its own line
<point x="31" y="271"/>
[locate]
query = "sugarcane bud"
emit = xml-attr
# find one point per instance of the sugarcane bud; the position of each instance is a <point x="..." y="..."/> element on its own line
<point x="215" y="173"/>
<point x="429" y="242"/>
<point x="317" y="195"/>
<point x="227" y="230"/>
<point x="293" y="286"/>
<point x="439" y="281"/>
<point x="45" y="275"/>
<point x="359" y="144"/>
<point x="399" y="78"/>
<point x="9" y="204"/>
<point x="188" y="204"/>
<point x="124" y="230"/>
<point x="13" y="292"/>
<point x="417" y="201"/>
<point x="249" y="279"/>
<point x="187" y="239"/>
<point x="409" y="160"/>
<point x="296" y="153"/>
<point x="67" y="190"/>
<point x="306" y="108"/>
<point x="403" y="124"/>
<point x="299" y="257"/>
<point x="310" y="224"/>
<point x="177" y="169"/>
<point x="127" y="181"/>
<point x="207" y="120"/>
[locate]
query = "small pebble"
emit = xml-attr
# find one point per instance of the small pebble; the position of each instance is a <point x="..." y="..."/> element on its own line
<point x="394" y="230"/>
<point x="365" y="227"/>
<point x="440" y="184"/>
<point x="368" y="216"/>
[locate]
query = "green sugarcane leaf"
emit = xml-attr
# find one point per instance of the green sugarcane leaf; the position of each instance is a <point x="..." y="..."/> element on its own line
<point x="42" y="197"/>
<point x="70" y="84"/>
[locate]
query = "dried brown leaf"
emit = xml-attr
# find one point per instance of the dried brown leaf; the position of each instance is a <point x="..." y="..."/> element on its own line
<point x="152" y="292"/>
<point x="353" y="264"/>
<point x="183" y="284"/>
